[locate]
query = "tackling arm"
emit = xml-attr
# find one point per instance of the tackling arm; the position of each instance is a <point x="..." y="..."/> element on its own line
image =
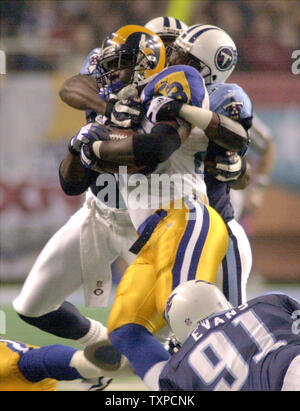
<point x="74" y="177"/>
<point x="144" y="149"/>
<point x="220" y="129"/>
<point x="81" y="92"/>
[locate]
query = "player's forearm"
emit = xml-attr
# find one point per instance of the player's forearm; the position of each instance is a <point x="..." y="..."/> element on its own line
<point x="225" y="132"/>
<point x="81" y="92"/>
<point x="143" y="149"/>
<point x="72" y="169"/>
<point x="73" y="175"/>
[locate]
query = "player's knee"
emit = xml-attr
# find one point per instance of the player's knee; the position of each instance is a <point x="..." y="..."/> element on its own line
<point x="27" y="307"/>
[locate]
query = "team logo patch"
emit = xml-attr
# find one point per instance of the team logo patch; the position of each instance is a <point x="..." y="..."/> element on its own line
<point x="225" y="58"/>
<point x="234" y="109"/>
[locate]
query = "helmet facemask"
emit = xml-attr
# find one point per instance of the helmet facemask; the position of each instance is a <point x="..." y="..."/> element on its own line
<point x="111" y="65"/>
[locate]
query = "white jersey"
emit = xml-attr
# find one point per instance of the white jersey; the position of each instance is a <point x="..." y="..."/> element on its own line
<point x="179" y="176"/>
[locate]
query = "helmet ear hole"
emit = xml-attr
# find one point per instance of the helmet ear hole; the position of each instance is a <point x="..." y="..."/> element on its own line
<point x="214" y="78"/>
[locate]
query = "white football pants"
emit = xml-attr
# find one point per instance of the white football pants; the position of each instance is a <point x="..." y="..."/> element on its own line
<point x="82" y="251"/>
<point x="79" y="253"/>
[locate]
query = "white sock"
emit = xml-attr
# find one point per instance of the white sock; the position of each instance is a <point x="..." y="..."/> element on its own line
<point x="85" y="368"/>
<point x="97" y="332"/>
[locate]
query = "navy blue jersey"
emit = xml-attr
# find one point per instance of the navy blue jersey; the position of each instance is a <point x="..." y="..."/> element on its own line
<point x="247" y="348"/>
<point x="231" y="101"/>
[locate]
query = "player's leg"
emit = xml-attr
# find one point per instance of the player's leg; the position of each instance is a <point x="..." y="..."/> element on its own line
<point x="134" y="299"/>
<point x="188" y="243"/>
<point x="197" y="255"/>
<point x="55" y="275"/>
<point x="236" y="266"/>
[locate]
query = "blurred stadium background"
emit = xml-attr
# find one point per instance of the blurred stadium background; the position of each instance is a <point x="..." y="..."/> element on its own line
<point x="46" y="41"/>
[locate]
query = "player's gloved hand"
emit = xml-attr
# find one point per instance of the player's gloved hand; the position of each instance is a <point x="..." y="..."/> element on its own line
<point x="227" y="167"/>
<point x="126" y="113"/>
<point x="165" y="109"/>
<point x="91" y="130"/>
<point x="88" y="135"/>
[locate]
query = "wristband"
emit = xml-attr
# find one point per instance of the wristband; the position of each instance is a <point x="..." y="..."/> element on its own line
<point x="197" y="116"/>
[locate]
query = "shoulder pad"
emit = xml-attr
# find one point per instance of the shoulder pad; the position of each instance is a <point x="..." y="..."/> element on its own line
<point x="231" y="101"/>
<point x="183" y="83"/>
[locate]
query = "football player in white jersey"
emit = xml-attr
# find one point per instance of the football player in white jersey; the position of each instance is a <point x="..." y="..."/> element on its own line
<point x="213" y="53"/>
<point x="187" y="247"/>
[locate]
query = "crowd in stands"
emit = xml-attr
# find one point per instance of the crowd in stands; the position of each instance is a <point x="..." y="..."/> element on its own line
<point x="58" y="34"/>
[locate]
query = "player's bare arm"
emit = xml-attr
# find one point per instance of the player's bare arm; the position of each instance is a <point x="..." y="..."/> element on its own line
<point x="81" y="92"/>
<point x="72" y="169"/>
<point x="220" y="129"/>
<point x="144" y="149"/>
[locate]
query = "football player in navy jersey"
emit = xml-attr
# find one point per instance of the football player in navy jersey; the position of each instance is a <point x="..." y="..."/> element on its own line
<point x="252" y="347"/>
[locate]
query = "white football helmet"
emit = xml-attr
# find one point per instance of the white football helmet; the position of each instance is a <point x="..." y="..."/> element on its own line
<point x="213" y="48"/>
<point x="190" y="303"/>
<point x="167" y="28"/>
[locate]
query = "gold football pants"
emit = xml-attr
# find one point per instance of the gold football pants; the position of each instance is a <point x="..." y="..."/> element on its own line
<point x="189" y="243"/>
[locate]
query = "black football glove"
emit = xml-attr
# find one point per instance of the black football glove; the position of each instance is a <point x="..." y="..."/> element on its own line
<point x="126" y="113"/>
<point x="169" y="110"/>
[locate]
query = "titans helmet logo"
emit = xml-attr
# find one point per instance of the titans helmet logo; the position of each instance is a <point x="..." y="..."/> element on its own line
<point x="225" y="58"/>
